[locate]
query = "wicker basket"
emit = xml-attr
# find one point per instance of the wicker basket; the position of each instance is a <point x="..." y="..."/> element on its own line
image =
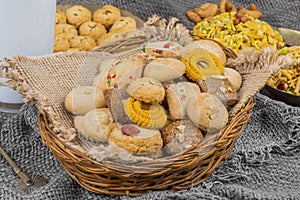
<point x="174" y="172"/>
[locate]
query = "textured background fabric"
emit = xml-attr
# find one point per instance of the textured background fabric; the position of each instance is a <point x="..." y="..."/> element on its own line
<point x="265" y="163"/>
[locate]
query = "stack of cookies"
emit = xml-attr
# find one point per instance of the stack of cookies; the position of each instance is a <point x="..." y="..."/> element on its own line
<point x="167" y="98"/>
<point x="78" y="29"/>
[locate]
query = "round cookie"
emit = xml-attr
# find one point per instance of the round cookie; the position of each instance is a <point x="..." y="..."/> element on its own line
<point x="92" y="29"/>
<point x="234" y="77"/>
<point x="61" y="44"/>
<point x="84" y="43"/>
<point x="178" y="96"/>
<point x="60" y="17"/>
<point x="136" y="139"/>
<point x="180" y="135"/>
<point x="207" y="112"/>
<point x="95" y="125"/>
<point x="201" y="64"/>
<point x="107" y="15"/>
<point x="164" y="69"/>
<point x="65" y="30"/>
<point x="147" y="90"/>
<point x="123" y="24"/>
<point x="83" y="99"/>
<point x="76" y="15"/>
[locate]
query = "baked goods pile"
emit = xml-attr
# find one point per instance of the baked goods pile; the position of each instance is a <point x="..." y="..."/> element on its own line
<point x="164" y="99"/>
<point x="78" y="29"/>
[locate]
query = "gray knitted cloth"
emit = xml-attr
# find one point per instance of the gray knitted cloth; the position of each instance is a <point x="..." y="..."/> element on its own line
<point x="265" y="163"/>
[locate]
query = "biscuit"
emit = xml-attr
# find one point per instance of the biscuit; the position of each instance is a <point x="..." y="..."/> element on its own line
<point x="180" y="135"/>
<point x="234" y="77"/>
<point x="123" y="24"/>
<point x="95" y="125"/>
<point x="207" y="112"/>
<point x="178" y="96"/>
<point x="164" y="69"/>
<point x="164" y="49"/>
<point x="92" y="29"/>
<point x="136" y="139"/>
<point x="107" y="15"/>
<point x="84" y="43"/>
<point x="60" y="17"/>
<point x="65" y="30"/>
<point x="145" y="115"/>
<point x="61" y="44"/>
<point x="147" y="90"/>
<point x="83" y="99"/>
<point x="76" y="15"/>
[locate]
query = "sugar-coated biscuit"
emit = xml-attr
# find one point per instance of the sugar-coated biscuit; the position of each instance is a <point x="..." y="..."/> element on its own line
<point x="123" y="24"/>
<point x="136" y="139"/>
<point x="84" y="43"/>
<point x="164" y="69"/>
<point x="147" y="90"/>
<point x="107" y="15"/>
<point x="93" y="29"/>
<point x="76" y="15"/>
<point x="67" y="31"/>
<point x="180" y="135"/>
<point x="61" y="44"/>
<point x="95" y="125"/>
<point x="82" y="99"/>
<point x="60" y="17"/>
<point x="178" y="96"/>
<point x="207" y="112"/>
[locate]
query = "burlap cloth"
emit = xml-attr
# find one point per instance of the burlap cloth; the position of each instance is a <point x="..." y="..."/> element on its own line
<point x="265" y="163"/>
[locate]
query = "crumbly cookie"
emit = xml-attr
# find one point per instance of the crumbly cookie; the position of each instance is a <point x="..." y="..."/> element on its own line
<point x="95" y="125"/>
<point x="164" y="69"/>
<point x="107" y="15"/>
<point x="207" y="112"/>
<point x="60" y="17"/>
<point x="84" y="98"/>
<point x="178" y="96"/>
<point x="180" y="135"/>
<point x="76" y="15"/>
<point x="164" y="49"/>
<point x="93" y="29"/>
<point x="84" y="43"/>
<point x="136" y="139"/>
<point x="61" y="44"/>
<point x="145" y="115"/>
<point x="147" y="90"/>
<point x="123" y="24"/>
<point x="65" y="30"/>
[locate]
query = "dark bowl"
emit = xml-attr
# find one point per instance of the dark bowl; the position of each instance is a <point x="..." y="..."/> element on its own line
<point x="283" y="96"/>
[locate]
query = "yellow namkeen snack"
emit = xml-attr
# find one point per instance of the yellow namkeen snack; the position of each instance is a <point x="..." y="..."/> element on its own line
<point x="252" y="33"/>
<point x="145" y="115"/>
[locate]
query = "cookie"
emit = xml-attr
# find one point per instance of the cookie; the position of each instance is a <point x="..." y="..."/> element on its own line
<point x="107" y="15"/>
<point x="83" y="99"/>
<point x="84" y="43"/>
<point x="136" y="139"/>
<point x="207" y="112"/>
<point x="65" y="30"/>
<point x="180" y="135"/>
<point x="145" y="115"/>
<point x="234" y="77"/>
<point x="92" y="29"/>
<point x="147" y="90"/>
<point x="201" y="64"/>
<point x="61" y="44"/>
<point x="123" y="24"/>
<point x="120" y="72"/>
<point x="60" y="17"/>
<point x="77" y="15"/>
<point x="178" y="96"/>
<point x="164" y="49"/>
<point x="168" y="68"/>
<point x="95" y="125"/>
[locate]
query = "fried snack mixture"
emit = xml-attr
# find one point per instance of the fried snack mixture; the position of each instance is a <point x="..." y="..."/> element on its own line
<point x="288" y="79"/>
<point x="249" y="32"/>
